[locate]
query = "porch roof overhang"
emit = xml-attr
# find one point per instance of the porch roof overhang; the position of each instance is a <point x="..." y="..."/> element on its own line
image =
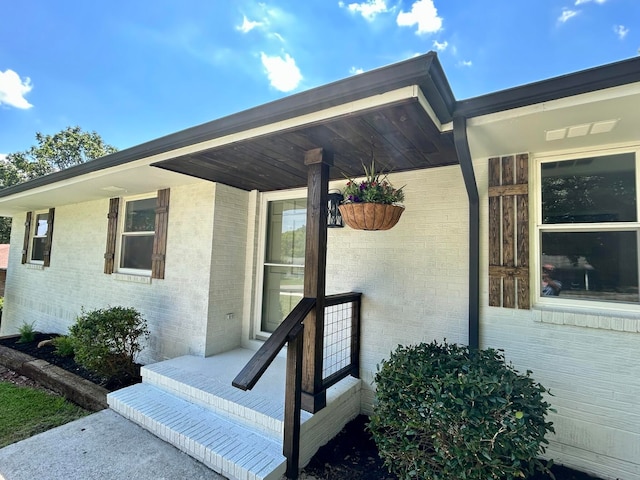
<point x="401" y="113"/>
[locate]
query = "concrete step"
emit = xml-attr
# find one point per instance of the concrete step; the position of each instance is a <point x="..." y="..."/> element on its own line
<point x="234" y="450"/>
<point x="184" y="378"/>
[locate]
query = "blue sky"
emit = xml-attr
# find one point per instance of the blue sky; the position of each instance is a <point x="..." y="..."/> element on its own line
<point x="137" y="70"/>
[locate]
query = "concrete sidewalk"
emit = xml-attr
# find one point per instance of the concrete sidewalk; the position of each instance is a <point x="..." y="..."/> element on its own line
<point x="102" y="446"/>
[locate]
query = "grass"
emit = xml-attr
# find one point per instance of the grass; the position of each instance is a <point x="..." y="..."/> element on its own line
<point x="26" y="411"/>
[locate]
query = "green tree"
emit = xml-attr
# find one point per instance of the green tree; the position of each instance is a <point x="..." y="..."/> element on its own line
<point x="51" y="153"/>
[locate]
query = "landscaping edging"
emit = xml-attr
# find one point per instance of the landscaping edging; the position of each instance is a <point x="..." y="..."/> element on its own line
<point x="74" y="388"/>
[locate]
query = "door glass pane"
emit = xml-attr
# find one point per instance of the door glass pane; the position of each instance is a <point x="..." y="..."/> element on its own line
<point x="589" y="190"/>
<point x="283" y="289"/>
<point x="140" y="216"/>
<point x="286" y="226"/>
<point x="590" y="265"/>
<point x="284" y="260"/>
<point x="136" y="251"/>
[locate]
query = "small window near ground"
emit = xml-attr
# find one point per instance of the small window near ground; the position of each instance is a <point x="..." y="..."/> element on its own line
<point x="138" y="232"/>
<point x="589" y="229"/>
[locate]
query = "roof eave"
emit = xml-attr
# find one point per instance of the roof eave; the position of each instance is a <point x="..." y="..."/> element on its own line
<point x="424" y="70"/>
<point x="585" y="81"/>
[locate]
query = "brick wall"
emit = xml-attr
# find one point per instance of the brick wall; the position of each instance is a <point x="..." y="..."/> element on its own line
<point x="176" y="308"/>
<point x="588" y="358"/>
<point x="414" y="276"/>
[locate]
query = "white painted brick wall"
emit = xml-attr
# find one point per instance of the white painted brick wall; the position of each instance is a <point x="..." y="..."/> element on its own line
<point x="591" y="362"/>
<point x="175" y="308"/>
<point x="226" y="292"/>
<point x="414" y="276"/>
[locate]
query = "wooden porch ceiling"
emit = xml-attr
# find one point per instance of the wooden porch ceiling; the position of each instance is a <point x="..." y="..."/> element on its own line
<point x="402" y="135"/>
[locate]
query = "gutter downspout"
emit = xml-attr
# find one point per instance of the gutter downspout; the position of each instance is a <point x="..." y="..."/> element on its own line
<point x="461" y="142"/>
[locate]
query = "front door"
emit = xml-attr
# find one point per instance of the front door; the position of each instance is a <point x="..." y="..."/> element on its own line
<point x="283" y="274"/>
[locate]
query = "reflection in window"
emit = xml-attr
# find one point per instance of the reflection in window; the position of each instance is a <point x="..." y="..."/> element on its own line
<point x="138" y="233"/>
<point x="40" y="237"/>
<point x="589" y="190"/>
<point x="593" y="265"/>
<point x="284" y="260"/>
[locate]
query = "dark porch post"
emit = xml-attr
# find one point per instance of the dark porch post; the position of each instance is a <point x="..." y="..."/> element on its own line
<point x="318" y="161"/>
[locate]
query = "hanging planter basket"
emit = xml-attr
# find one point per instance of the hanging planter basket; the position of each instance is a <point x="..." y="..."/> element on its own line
<point x="370" y="216"/>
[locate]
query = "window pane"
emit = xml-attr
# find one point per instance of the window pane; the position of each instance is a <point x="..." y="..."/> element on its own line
<point x="286" y="227"/>
<point x="283" y="289"/>
<point x="589" y="190"/>
<point x="136" y="251"/>
<point x="591" y="265"/>
<point x="140" y="216"/>
<point x="42" y="225"/>
<point x="37" y="250"/>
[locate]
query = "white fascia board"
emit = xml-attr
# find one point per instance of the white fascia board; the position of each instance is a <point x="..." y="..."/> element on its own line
<point x="559" y="104"/>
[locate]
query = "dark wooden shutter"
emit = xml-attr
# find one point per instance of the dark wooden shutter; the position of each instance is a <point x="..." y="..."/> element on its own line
<point x="47" y="245"/>
<point x="112" y="235"/>
<point x="509" y="231"/>
<point x="27" y="233"/>
<point x="160" y="238"/>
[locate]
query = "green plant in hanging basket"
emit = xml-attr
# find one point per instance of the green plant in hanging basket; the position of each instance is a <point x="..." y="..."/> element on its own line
<point x="374" y="188"/>
<point x="372" y="203"/>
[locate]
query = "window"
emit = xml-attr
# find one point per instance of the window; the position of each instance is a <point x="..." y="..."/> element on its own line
<point x="588" y="229"/>
<point x="137" y="235"/>
<point x="283" y="268"/>
<point x="39" y="239"/>
<point x="138" y="230"/>
<point x="38" y="235"/>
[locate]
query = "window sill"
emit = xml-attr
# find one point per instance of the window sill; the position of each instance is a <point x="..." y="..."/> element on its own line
<point x="589" y="317"/>
<point x="127" y="277"/>
<point x="34" y="266"/>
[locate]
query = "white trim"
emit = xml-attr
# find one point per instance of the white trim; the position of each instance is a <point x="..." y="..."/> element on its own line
<point x="539" y="302"/>
<point x="120" y="233"/>
<point x="558" y="104"/>
<point x="135" y="276"/>
<point x="32" y="236"/>
<point x="265" y="198"/>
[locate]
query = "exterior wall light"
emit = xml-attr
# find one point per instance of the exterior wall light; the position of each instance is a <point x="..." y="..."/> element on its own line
<point x="334" y="219"/>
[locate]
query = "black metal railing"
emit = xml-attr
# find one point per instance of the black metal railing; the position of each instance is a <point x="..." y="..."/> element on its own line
<point x="341" y="347"/>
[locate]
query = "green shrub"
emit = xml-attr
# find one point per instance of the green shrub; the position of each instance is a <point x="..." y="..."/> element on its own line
<point x="27" y="333"/>
<point x="107" y="341"/>
<point x="64" y="346"/>
<point x="443" y="412"/>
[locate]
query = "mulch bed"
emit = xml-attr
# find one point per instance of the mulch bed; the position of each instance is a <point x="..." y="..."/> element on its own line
<point x="47" y="353"/>
<point x="353" y="455"/>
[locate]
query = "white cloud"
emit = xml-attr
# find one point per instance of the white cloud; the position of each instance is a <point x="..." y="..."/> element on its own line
<point x="13" y="89"/>
<point x="621" y="31"/>
<point x="580" y="2"/>
<point x="424" y="14"/>
<point x="3" y="157"/>
<point x="247" y="25"/>
<point x="369" y="9"/>
<point x="283" y="73"/>
<point x="355" y="71"/>
<point x="567" y="14"/>
<point x="441" y="47"/>
<point x="465" y="63"/>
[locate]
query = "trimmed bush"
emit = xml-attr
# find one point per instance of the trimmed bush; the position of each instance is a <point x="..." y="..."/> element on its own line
<point x="107" y="341"/>
<point x="443" y="412"/>
<point x="64" y="346"/>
